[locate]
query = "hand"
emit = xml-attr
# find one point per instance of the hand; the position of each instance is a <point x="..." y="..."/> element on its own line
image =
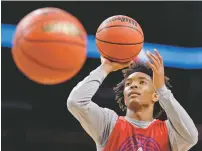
<point x="157" y="68"/>
<point x="110" y="66"/>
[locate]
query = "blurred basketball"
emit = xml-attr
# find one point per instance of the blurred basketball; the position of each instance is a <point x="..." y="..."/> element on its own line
<point x="119" y="38"/>
<point x="49" y="46"/>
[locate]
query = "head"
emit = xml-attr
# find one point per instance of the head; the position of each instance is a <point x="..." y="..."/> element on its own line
<point x="136" y="91"/>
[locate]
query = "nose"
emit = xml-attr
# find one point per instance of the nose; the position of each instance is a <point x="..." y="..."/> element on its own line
<point x="134" y="85"/>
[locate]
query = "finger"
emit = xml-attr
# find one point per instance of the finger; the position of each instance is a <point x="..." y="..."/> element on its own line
<point x="126" y="64"/>
<point x="153" y="59"/>
<point x="154" y="69"/>
<point x="159" y="56"/>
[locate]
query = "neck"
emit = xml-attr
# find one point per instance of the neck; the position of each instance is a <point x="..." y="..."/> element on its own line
<point x="145" y="114"/>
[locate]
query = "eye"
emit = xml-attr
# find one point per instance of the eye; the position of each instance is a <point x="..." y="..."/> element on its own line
<point x="127" y="84"/>
<point x="143" y="82"/>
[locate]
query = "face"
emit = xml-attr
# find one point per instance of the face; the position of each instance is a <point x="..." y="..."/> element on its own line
<point x="139" y="91"/>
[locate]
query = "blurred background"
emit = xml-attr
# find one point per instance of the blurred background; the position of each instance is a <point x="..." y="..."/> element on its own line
<point x="35" y="117"/>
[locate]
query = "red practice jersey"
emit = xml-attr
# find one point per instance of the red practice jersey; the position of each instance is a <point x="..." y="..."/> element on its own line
<point x="127" y="137"/>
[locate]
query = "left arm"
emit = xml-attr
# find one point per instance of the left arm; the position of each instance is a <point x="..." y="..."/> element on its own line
<point x="182" y="131"/>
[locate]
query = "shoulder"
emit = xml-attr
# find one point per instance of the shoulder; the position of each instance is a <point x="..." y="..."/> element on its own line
<point x="110" y="120"/>
<point x="160" y="124"/>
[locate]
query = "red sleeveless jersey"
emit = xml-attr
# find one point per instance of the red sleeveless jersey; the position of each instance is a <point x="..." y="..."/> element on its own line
<point x="127" y="137"/>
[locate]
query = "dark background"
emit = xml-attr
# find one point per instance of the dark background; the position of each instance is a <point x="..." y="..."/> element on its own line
<point x="34" y="117"/>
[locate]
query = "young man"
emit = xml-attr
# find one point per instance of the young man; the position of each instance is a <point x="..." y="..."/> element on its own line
<point x="138" y="92"/>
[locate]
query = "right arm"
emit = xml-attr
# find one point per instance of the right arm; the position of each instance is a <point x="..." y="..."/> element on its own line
<point x="95" y="120"/>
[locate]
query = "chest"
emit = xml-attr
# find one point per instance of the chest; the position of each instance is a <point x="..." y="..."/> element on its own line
<point x="126" y="137"/>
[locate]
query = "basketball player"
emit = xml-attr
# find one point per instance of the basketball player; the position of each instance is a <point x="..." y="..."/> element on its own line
<point x="141" y="88"/>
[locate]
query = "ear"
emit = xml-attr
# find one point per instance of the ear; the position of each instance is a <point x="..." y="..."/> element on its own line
<point x="125" y="98"/>
<point x="155" y="97"/>
<point x="125" y="102"/>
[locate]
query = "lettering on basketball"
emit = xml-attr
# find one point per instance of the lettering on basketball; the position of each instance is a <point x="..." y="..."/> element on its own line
<point x="66" y="28"/>
<point x="122" y="19"/>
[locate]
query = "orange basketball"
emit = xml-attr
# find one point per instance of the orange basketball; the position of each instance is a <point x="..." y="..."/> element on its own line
<point x="119" y="38"/>
<point x="49" y="46"/>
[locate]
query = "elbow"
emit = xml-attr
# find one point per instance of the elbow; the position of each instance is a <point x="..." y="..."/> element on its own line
<point x="194" y="138"/>
<point x="77" y="104"/>
<point x="193" y="141"/>
<point x="71" y="104"/>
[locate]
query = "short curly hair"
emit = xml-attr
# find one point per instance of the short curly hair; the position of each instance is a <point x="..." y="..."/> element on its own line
<point x="137" y="66"/>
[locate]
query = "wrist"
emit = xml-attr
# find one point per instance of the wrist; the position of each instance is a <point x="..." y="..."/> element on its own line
<point x="106" y="68"/>
<point x="162" y="89"/>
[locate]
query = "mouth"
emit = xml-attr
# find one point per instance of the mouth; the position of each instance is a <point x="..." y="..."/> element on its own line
<point x="134" y="94"/>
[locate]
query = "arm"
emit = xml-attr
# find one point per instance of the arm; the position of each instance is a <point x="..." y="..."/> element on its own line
<point x="95" y="120"/>
<point x="181" y="129"/>
<point x="182" y="132"/>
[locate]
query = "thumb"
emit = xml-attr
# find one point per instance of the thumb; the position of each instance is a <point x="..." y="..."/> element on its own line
<point x="124" y="65"/>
